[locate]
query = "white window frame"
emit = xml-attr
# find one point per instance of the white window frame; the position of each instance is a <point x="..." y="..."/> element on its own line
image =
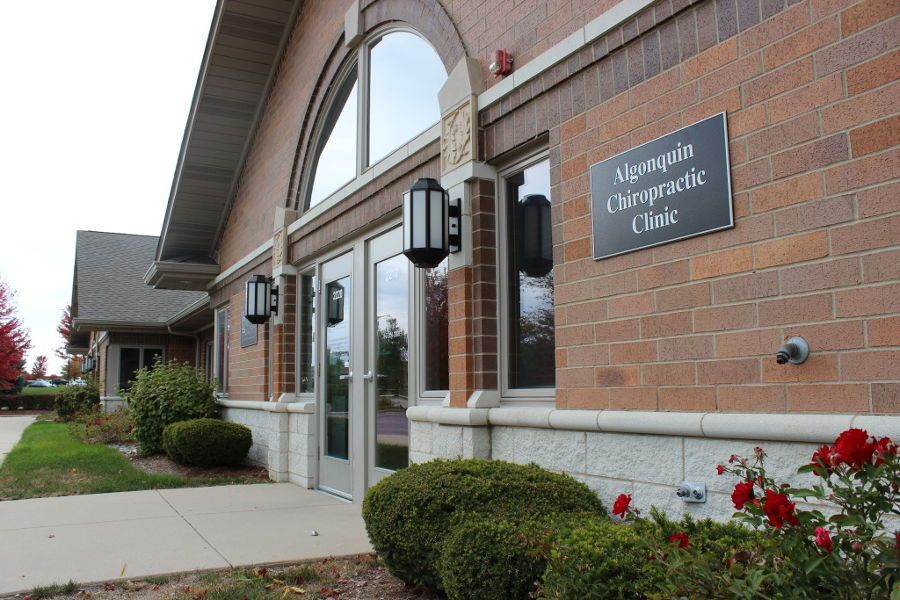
<point x="360" y="62"/>
<point x="509" y="395"/>
<point x="114" y="356"/>
<point x="312" y="271"/>
<point x="418" y="334"/>
<point x="226" y="308"/>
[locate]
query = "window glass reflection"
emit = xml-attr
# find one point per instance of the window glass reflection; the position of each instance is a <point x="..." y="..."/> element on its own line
<point x="306" y="341"/>
<point x="392" y="363"/>
<point x="337" y="356"/>
<point x="531" y="318"/>
<point x="406" y="74"/>
<point x="337" y="158"/>
<point x="436" y="348"/>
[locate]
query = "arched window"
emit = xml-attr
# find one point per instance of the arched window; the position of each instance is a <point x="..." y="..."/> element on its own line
<point x="387" y="97"/>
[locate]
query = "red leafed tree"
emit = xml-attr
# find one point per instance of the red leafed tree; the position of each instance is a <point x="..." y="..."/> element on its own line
<point x="13" y="339"/>
<point x="39" y="368"/>
<point x="64" y="329"/>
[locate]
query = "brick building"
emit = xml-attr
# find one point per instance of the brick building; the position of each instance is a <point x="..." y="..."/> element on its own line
<point x="632" y="371"/>
<point x="122" y="324"/>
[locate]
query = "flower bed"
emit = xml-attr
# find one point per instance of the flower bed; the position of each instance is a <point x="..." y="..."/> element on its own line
<point x="830" y="540"/>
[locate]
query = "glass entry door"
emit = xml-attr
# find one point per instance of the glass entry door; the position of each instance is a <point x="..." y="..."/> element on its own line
<point x="387" y="356"/>
<point x="336" y="377"/>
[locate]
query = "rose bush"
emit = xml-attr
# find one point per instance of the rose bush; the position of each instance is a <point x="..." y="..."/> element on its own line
<point x="803" y="553"/>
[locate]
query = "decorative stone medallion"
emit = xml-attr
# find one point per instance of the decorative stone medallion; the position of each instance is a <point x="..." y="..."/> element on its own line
<point x="457" y="136"/>
<point x="278" y="248"/>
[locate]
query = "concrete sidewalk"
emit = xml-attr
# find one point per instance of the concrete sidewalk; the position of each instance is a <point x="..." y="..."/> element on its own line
<point x="11" y="429"/>
<point x="136" y="534"/>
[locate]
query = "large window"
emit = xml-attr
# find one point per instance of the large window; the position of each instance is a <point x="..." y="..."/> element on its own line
<point x="306" y="342"/>
<point x="223" y="333"/>
<point x="435" y="350"/>
<point x="529" y="279"/>
<point x="384" y="99"/>
<point x="131" y="360"/>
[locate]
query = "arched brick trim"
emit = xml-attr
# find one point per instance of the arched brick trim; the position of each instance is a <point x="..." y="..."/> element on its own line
<point x="429" y="19"/>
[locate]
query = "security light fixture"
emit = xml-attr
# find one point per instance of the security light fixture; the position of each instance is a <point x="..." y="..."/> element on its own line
<point x="533" y="236"/>
<point x="431" y="224"/>
<point x="260" y="299"/>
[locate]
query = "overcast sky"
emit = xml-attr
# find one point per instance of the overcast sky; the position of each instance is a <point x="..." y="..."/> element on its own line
<point x="93" y="104"/>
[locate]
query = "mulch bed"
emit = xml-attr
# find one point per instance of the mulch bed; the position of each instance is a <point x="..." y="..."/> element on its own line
<point x="349" y="578"/>
<point x="163" y="465"/>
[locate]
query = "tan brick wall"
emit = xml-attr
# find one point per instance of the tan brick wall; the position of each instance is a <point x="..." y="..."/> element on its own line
<point x="813" y="129"/>
<point x="810" y="90"/>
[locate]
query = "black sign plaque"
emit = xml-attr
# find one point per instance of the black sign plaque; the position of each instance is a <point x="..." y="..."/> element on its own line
<point x="248" y="333"/>
<point x="674" y="187"/>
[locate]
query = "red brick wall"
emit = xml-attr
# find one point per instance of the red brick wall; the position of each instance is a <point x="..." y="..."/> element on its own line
<point x="811" y="97"/>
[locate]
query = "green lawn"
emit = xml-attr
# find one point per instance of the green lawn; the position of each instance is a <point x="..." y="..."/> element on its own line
<point x="49" y="461"/>
<point x="43" y="391"/>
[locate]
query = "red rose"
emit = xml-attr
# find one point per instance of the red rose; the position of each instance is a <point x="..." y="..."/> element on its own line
<point x="743" y="493"/>
<point x="822" y="457"/>
<point x="720" y="469"/>
<point x="852" y="448"/>
<point x="681" y="539"/>
<point x="823" y="539"/>
<point x="620" y="506"/>
<point x="779" y="509"/>
<point x="884" y="447"/>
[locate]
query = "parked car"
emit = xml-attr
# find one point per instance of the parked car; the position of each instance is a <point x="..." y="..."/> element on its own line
<point x="58" y="381"/>
<point x="78" y="381"/>
<point x="41" y="383"/>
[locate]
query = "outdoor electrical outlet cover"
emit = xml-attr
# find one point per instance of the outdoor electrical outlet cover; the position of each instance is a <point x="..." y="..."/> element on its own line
<point x="692" y="491"/>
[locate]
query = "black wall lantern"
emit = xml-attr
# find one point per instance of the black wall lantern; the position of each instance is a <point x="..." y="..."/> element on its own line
<point x="533" y="236"/>
<point x="431" y="224"/>
<point x="260" y="299"/>
<point x="87" y="364"/>
<point x="335" y="301"/>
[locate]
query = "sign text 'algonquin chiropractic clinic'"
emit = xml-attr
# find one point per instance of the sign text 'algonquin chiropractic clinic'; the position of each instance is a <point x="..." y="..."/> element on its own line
<point x="674" y="187"/>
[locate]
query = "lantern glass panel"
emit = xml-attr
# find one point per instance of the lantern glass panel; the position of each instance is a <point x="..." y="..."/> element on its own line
<point x="530" y="308"/>
<point x="438" y="219"/>
<point x="419" y="218"/>
<point x="407" y="215"/>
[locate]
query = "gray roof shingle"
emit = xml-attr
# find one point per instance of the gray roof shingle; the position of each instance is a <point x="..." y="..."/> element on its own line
<point x="109" y="281"/>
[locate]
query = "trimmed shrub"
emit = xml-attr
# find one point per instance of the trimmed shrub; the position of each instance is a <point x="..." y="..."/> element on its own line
<point x="77" y="400"/>
<point x="706" y="536"/>
<point x="167" y="393"/>
<point x="599" y="559"/>
<point x="27" y="401"/>
<point x="489" y="558"/>
<point x="207" y="442"/>
<point x="409" y="513"/>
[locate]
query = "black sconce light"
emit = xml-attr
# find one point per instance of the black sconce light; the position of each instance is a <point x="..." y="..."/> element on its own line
<point x="335" y="300"/>
<point x="260" y="299"/>
<point x="431" y="224"/>
<point x="533" y="236"/>
<point x="87" y="365"/>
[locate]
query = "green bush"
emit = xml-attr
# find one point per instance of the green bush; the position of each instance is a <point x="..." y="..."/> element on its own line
<point x="598" y="559"/>
<point x="722" y="540"/>
<point x="77" y="400"/>
<point x="489" y="558"/>
<point x="207" y="442"/>
<point x="409" y="513"/>
<point x="167" y="393"/>
<point x="27" y="402"/>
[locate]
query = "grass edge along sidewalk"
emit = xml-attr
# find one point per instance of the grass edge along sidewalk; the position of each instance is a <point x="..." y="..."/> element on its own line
<point x="50" y="461"/>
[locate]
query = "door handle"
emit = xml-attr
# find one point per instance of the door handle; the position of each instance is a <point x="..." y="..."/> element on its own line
<point x="346" y="377"/>
<point x="369" y="375"/>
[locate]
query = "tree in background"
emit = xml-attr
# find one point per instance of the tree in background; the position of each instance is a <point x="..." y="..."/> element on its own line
<point x="72" y="368"/>
<point x="65" y="330"/>
<point x="39" y="368"/>
<point x="14" y="340"/>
